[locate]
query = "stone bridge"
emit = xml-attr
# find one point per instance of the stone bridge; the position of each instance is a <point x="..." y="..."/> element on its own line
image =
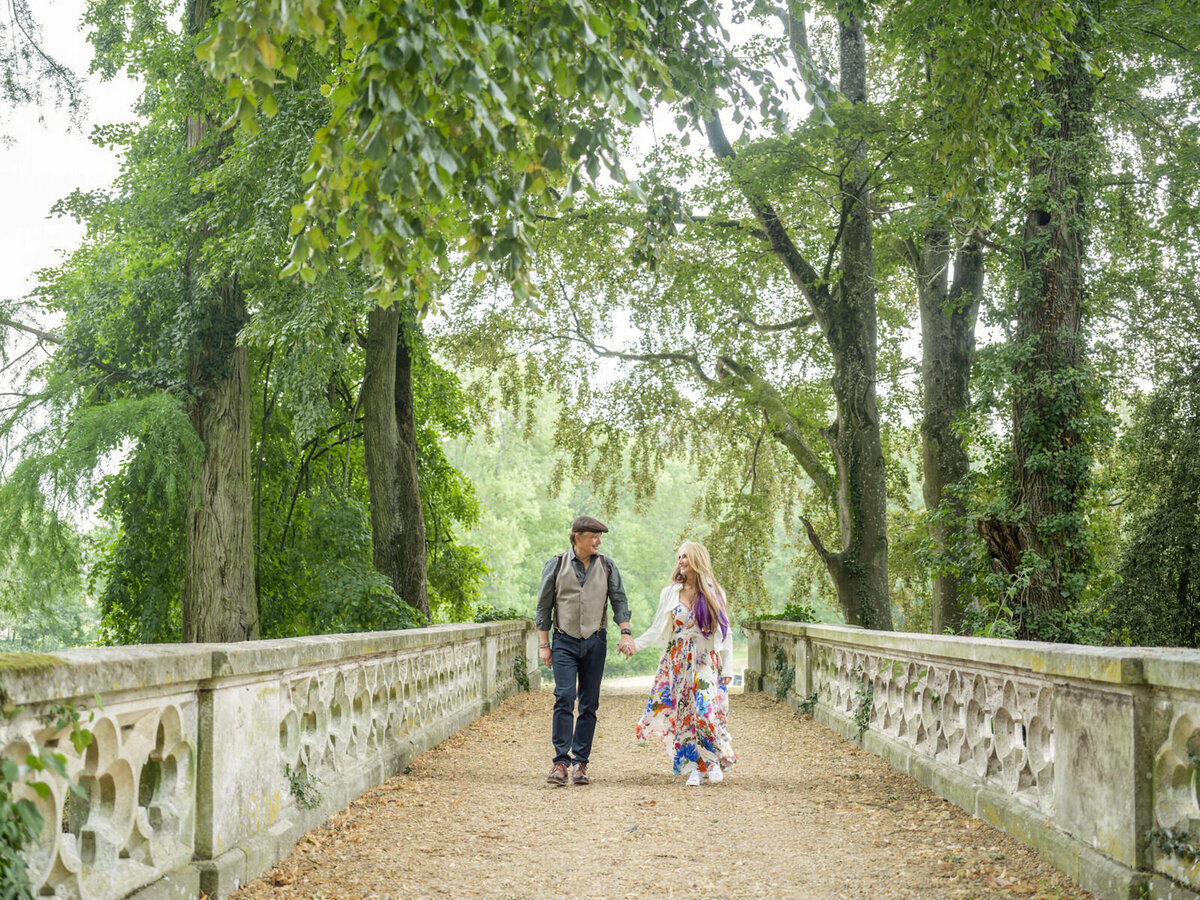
<point x="209" y="763"/>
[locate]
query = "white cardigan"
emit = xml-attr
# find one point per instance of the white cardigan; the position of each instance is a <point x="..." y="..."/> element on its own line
<point x="659" y="632"/>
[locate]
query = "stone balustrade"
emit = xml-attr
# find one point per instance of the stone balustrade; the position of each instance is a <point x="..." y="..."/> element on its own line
<point x="209" y="761"/>
<point x="1091" y="755"/>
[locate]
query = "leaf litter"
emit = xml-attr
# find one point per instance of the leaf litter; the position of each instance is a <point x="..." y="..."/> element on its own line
<point x="809" y="816"/>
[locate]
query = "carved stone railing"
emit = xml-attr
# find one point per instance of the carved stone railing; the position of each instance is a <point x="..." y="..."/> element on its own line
<point x="209" y="761"/>
<point x="1090" y="755"/>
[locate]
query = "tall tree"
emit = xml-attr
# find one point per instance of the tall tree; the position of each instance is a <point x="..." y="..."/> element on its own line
<point x="219" y="602"/>
<point x="845" y="311"/>
<point x="718" y="318"/>
<point x="1043" y="546"/>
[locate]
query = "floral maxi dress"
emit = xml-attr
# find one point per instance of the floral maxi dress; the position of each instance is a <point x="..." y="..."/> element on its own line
<point x="688" y="706"/>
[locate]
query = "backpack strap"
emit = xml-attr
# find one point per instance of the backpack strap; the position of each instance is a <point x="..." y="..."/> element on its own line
<point x="604" y="615"/>
<point x="554" y="606"/>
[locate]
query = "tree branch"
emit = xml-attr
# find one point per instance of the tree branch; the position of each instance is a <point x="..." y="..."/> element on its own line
<point x="797" y="35"/>
<point x="683" y="220"/>
<point x="783" y="424"/>
<point x="728" y="223"/>
<point x="116" y="372"/>
<point x="801" y="271"/>
<point x="911" y="254"/>
<point x="29" y="329"/>
<point x="830" y="559"/>
<point x="580" y="336"/>
<point x="688" y="359"/>
<point x="1172" y="41"/>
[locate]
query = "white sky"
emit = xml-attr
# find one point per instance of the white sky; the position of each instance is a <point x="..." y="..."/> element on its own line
<point x="47" y="161"/>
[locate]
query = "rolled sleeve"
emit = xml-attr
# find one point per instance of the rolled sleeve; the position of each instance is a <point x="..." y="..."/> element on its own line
<point x="616" y="594"/>
<point x="545" y="604"/>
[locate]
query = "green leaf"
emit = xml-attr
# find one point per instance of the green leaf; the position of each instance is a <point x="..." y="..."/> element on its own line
<point x="81" y="738"/>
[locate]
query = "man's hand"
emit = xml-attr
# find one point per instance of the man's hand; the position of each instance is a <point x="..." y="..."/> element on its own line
<point x="626" y="646"/>
<point x="546" y="657"/>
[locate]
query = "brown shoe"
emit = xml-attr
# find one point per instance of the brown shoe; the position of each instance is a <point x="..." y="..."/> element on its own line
<point x="558" y="774"/>
<point x="579" y="776"/>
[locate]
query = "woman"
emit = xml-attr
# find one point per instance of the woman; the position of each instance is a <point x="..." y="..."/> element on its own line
<point x="689" y="702"/>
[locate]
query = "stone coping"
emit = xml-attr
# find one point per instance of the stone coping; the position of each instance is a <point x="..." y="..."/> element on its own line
<point x="104" y="670"/>
<point x="1166" y="667"/>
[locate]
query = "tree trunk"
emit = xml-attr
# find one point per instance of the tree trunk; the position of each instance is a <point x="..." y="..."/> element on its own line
<point x="948" y="312"/>
<point x="390" y="440"/>
<point x="219" y="601"/>
<point x="860" y="570"/>
<point x="1051" y="461"/>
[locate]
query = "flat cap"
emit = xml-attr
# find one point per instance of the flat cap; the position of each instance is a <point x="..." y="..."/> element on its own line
<point x="587" y="523"/>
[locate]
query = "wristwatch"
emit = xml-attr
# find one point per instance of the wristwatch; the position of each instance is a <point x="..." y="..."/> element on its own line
<point x="626" y="631"/>
<point x="543" y="646"/>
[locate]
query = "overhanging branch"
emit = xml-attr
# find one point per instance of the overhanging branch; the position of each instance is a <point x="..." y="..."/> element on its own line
<point x="783" y="424"/>
<point x="115" y="372"/>
<point x="678" y="358"/>
<point x="811" y="285"/>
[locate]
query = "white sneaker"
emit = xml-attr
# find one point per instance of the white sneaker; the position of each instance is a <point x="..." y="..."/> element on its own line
<point x="693" y="779"/>
<point x="715" y="775"/>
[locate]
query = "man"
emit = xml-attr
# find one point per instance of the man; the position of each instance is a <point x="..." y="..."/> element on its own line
<point x="577" y="587"/>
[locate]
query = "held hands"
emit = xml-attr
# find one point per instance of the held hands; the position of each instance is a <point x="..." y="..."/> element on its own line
<point x="626" y="646"/>
<point x="546" y="657"/>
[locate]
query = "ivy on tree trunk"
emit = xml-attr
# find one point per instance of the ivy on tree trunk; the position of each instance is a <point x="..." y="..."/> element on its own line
<point x="1044" y="546"/>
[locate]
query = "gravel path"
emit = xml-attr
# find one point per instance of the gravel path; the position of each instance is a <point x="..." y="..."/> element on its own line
<point x="803" y="814"/>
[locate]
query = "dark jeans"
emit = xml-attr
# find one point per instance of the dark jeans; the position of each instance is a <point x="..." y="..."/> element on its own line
<point x="578" y="668"/>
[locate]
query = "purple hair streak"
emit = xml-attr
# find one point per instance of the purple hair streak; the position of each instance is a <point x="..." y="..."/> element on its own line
<point x="704" y="618"/>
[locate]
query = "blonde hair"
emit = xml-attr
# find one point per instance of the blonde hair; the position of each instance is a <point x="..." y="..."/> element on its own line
<point x="708" y="588"/>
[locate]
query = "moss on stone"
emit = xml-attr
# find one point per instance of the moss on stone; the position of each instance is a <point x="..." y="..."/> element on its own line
<point x="28" y="662"/>
<point x="22" y="662"/>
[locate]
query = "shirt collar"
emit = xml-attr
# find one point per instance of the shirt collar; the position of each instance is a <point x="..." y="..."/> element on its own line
<point x="572" y="555"/>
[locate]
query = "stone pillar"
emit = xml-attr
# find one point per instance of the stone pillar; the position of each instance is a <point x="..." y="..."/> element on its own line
<point x="488" y="682"/>
<point x="1101" y="794"/>
<point x="240" y="787"/>
<point x="531" y="659"/>
<point x="755" y="666"/>
<point x="803" y="684"/>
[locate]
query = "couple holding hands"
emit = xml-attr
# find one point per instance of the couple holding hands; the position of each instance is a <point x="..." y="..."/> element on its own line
<point x="688" y="705"/>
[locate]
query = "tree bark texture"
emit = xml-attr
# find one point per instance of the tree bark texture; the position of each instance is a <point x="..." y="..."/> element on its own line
<point x="390" y="440"/>
<point x="219" y="599"/>
<point x="1052" y="461"/>
<point x="948" y="315"/>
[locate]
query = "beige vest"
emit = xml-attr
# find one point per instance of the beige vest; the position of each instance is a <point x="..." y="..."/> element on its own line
<point x="581" y="610"/>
